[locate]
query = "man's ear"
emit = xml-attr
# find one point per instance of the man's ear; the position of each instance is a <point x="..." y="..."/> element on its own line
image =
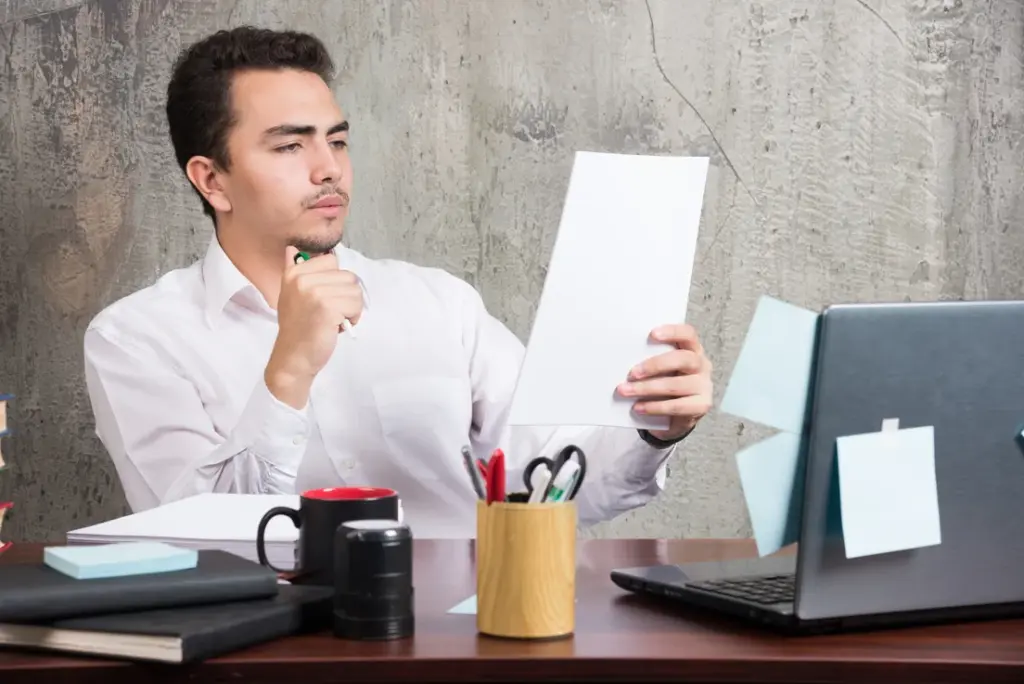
<point x="207" y="178"/>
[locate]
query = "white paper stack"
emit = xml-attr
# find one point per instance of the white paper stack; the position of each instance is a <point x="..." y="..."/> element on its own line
<point x="206" y="521"/>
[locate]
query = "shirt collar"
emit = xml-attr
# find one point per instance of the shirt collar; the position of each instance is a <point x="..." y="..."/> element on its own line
<point x="223" y="280"/>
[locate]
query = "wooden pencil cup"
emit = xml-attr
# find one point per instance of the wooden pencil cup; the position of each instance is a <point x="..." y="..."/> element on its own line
<point x="526" y="569"/>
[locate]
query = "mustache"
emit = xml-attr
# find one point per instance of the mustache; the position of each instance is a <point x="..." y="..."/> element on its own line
<point x="308" y="204"/>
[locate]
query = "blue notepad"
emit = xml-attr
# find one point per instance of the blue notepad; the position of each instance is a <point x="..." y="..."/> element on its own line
<point x="118" y="560"/>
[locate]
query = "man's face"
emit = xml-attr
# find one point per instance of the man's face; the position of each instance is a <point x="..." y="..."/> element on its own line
<point x="290" y="174"/>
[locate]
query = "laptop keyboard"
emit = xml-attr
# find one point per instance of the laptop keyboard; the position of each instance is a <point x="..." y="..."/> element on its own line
<point x="766" y="589"/>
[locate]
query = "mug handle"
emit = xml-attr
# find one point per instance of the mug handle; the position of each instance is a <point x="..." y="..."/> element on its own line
<point x="261" y="552"/>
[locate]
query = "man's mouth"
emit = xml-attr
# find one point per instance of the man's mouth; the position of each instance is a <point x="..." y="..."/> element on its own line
<point x="330" y="201"/>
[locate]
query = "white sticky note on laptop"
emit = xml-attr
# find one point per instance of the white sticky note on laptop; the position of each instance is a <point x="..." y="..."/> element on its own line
<point x="770" y="380"/>
<point x="621" y="266"/>
<point x="887" y="491"/>
<point x="771" y="479"/>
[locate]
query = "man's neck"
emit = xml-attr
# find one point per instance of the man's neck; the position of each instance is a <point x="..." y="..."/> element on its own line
<point x="262" y="264"/>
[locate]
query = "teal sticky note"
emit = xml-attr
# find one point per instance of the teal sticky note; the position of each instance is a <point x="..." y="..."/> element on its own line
<point x="771" y="475"/>
<point x="770" y="380"/>
<point x="118" y="559"/>
<point x="888" y="493"/>
<point x="467" y="607"/>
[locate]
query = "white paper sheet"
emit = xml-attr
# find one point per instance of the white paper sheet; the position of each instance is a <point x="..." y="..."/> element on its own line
<point x="206" y="521"/>
<point x="621" y="266"/>
<point x="888" y="491"/>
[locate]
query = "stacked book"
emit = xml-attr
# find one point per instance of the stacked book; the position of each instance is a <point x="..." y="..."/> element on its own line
<point x="4" y="431"/>
<point x="149" y="601"/>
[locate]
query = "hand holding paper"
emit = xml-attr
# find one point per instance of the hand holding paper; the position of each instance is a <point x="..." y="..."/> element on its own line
<point x="676" y="383"/>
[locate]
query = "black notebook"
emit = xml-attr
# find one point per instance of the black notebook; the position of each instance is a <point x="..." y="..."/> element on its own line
<point x="36" y="592"/>
<point x="181" y="635"/>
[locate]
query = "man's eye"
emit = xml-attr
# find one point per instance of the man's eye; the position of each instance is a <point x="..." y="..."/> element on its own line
<point x="340" y="144"/>
<point x="288" y="148"/>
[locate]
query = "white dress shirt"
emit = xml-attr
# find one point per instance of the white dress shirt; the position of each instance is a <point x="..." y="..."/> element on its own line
<point x="175" y="377"/>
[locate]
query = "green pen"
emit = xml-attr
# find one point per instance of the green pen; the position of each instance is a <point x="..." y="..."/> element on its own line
<point x="345" y="323"/>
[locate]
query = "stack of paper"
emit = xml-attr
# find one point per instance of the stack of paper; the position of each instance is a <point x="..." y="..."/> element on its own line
<point x="207" y="521"/>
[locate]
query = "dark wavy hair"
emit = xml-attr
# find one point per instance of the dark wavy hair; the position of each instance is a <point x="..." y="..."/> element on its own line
<point x="198" y="107"/>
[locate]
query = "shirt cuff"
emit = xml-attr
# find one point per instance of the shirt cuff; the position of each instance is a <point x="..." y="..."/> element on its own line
<point x="662" y="443"/>
<point x="271" y="429"/>
<point x="641" y="465"/>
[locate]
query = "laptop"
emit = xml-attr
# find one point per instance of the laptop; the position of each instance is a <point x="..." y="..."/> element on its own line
<point x="958" y="366"/>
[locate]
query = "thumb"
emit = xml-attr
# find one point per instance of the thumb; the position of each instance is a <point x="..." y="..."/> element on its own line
<point x="291" y="254"/>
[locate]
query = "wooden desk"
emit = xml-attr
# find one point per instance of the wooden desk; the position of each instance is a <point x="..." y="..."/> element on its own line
<point x="619" y="637"/>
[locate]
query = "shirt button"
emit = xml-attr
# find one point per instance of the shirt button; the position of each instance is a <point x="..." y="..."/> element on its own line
<point x="349" y="465"/>
<point x="298" y="440"/>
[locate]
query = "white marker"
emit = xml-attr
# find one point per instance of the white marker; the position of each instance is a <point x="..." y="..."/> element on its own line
<point x="539" y="479"/>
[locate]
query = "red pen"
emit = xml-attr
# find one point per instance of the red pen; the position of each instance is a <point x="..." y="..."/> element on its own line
<point x="496" y="476"/>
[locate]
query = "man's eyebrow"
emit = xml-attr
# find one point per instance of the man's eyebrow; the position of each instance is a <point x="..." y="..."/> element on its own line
<point x="288" y="129"/>
<point x="295" y="129"/>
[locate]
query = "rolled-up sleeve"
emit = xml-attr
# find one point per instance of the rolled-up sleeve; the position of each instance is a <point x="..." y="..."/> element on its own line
<point x="152" y="422"/>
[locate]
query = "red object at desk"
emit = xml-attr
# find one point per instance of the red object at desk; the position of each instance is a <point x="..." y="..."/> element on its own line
<point x="494" y="477"/>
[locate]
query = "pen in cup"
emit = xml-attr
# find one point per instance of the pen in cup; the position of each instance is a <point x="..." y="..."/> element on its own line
<point x="540" y="478"/>
<point x="346" y="324"/>
<point x="474" y="473"/>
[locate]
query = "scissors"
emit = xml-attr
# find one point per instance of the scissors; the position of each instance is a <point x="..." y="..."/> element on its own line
<point x="555" y="464"/>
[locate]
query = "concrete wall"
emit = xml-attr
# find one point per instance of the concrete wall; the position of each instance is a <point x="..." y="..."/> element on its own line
<point x="862" y="150"/>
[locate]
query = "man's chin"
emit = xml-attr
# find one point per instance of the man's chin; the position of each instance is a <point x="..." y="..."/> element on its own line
<point x="315" y="244"/>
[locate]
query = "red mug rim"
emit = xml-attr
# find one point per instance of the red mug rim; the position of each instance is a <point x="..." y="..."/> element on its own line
<point x="348" y="493"/>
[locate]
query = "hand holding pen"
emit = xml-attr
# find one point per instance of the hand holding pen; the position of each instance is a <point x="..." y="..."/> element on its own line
<point x="346" y="322"/>
<point x="316" y="297"/>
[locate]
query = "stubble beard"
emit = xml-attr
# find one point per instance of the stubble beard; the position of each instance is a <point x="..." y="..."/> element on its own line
<point x="323" y="243"/>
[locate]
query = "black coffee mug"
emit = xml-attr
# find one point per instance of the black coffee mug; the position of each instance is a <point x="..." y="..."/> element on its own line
<point x="320" y="513"/>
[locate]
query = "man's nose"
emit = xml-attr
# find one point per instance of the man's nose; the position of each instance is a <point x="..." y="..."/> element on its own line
<point x="326" y="168"/>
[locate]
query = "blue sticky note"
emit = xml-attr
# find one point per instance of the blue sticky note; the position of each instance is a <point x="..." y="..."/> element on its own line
<point x="771" y="474"/>
<point x="770" y="380"/>
<point x="888" y="493"/>
<point x="118" y="559"/>
<point x="467" y="607"/>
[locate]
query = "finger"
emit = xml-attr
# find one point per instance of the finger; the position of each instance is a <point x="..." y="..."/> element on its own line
<point x="682" y="335"/>
<point x="315" y="263"/>
<point x="346" y="306"/>
<point x="693" y="406"/>
<point x="308" y="281"/>
<point x="290" y="253"/>
<point x="339" y="291"/>
<point x="677" y="361"/>
<point x="672" y="386"/>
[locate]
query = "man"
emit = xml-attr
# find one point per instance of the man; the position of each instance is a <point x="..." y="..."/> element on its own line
<point x="234" y="375"/>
